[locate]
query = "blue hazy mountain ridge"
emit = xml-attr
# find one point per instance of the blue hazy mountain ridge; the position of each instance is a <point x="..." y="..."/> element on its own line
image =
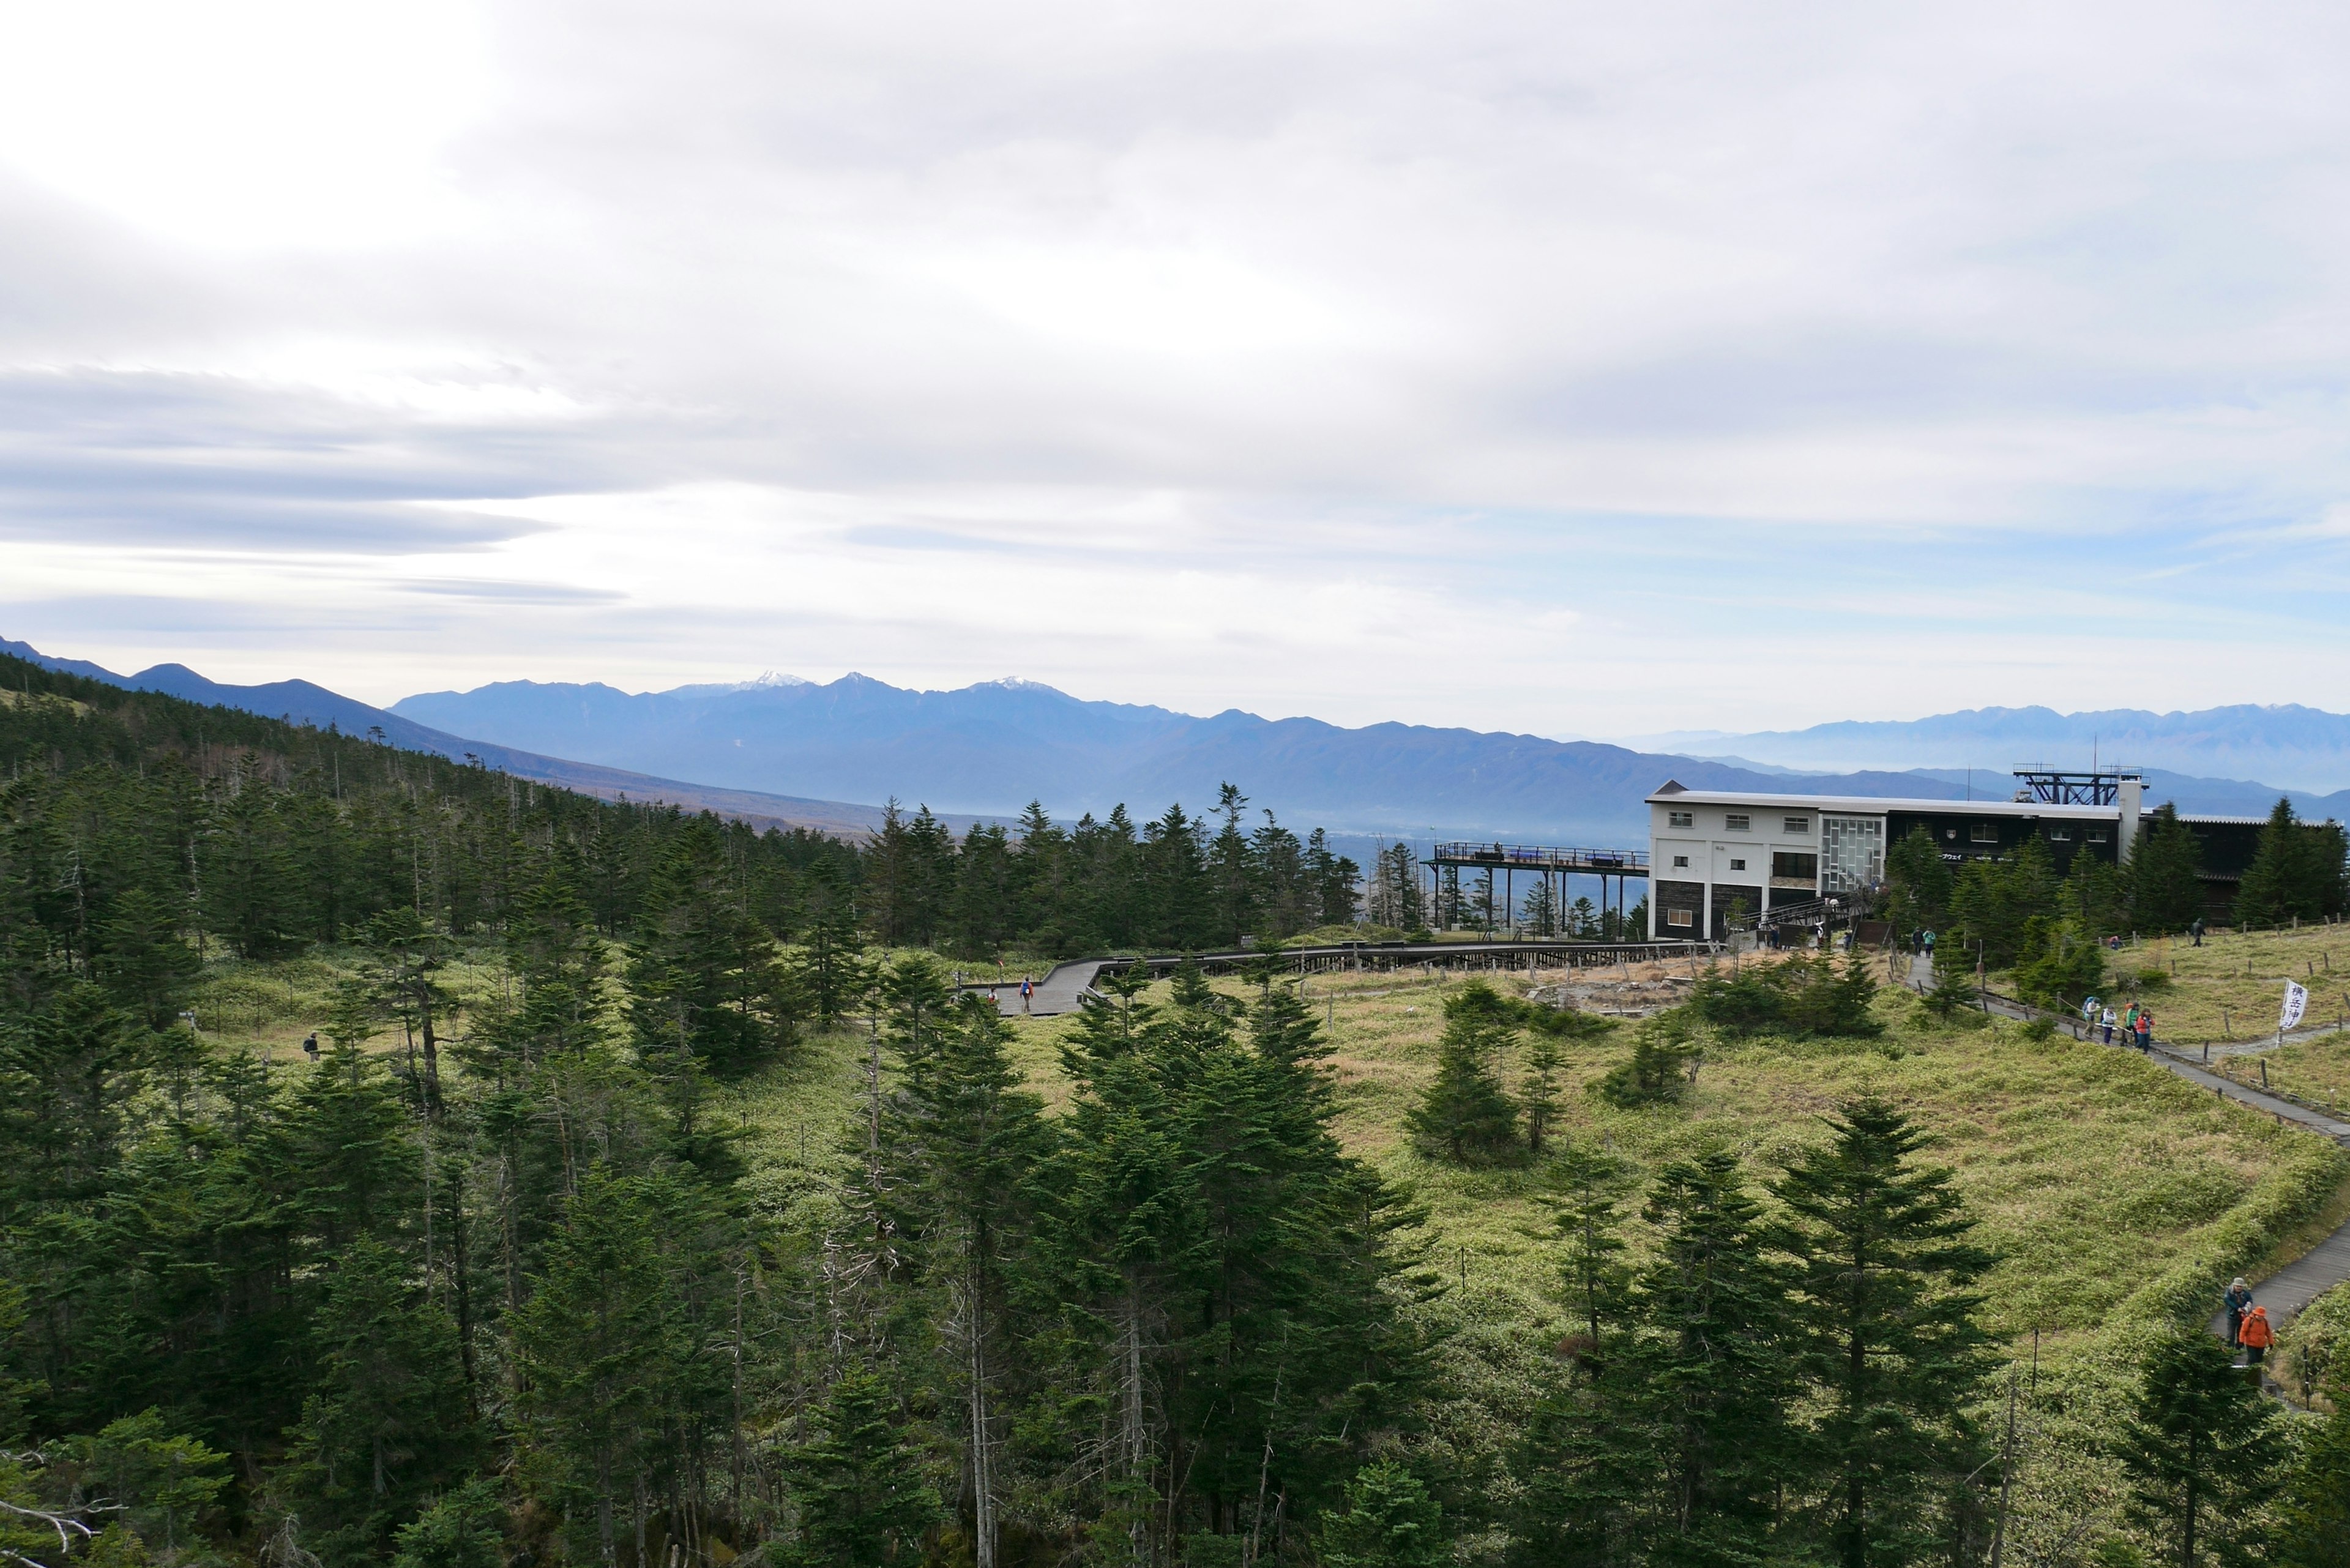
<point x="2294" y="746"/>
<point x="304" y="702"/>
<point x="990" y="747"/>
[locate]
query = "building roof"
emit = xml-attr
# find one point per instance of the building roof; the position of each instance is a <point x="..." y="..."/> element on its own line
<point x="1674" y="794"/>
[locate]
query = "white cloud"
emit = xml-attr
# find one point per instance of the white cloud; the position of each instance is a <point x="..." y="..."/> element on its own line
<point x="244" y="123"/>
<point x="1553" y="368"/>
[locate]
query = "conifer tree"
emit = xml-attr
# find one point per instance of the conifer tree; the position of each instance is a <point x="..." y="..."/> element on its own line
<point x="2296" y="871"/>
<point x="1918" y="883"/>
<point x="142" y="960"/>
<point x="613" y="1347"/>
<point x="1657" y="1070"/>
<point x="384" y="1428"/>
<point x="1538" y="1090"/>
<point x="962" y="1138"/>
<point x="829" y="971"/>
<point x="1715" y="1368"/>
<point x="1389" y="1522"/>
<point x="1584" y="1213"/>
<point x="1465" y="1115"/>
<point x="463" y="1529"/>
<point x="705" y="989"/>
<point x="1885" y="1269"/>
<point x="66" y="1074"/>
<point x="2165" y="892"/>
<point x="2201" y="1451"/>
<point x="863" y="1501"/>
<point x="356" y="1167"/>
<point x="1578" y="1491"/>
<point x="1123" y="1232"/>
<point x="2314" y="1513"/>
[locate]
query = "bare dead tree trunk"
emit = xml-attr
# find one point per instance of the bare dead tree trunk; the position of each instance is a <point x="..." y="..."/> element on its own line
<point x="982" y="1477"/>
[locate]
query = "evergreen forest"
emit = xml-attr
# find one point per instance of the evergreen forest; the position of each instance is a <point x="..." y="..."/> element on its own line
<point x="643" y="1194"/>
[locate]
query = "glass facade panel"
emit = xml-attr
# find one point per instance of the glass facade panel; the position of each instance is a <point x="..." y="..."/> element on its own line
<point x="1852" y="852"/>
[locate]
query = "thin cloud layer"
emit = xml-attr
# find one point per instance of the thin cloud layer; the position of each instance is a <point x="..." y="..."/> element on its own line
<point x="1552" y="369"/>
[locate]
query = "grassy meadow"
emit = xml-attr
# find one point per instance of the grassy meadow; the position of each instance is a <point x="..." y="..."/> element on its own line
<point x="2112" y="1189"/>
<point x="2229" y="989"/>
<point x="2119" y="1198"/>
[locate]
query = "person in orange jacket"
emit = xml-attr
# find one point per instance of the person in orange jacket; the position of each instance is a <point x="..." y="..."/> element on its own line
<point x="2256" y="1334"/>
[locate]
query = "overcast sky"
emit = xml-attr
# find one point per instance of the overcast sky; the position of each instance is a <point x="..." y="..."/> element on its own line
<point x="1572" y="369"/>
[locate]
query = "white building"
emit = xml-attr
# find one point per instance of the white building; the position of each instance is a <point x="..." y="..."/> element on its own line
<point x="1715" y="854"/>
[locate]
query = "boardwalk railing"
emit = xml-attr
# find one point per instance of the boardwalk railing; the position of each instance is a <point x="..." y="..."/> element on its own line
<point x="1542" y="857"/>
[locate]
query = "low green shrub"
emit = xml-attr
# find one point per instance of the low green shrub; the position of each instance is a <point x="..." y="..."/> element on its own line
<point x="1800" y="996"/>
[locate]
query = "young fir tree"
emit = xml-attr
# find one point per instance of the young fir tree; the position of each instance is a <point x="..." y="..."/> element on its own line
<point x="2201" y="1451"/>
<point x="1954" y="978"/>
<point x="356" y="1167"/>
<point x="1466" y="1116"/>
<point x="1918" y="883"/>
<point x="385" y="1427"/>
<point x="1123" y="1235"/>
<point x="1538" y="1089"/>
<point x="67" y="1074"/>
<point x="1658" y="1072"/>
<point x="465" y="1528"/>
<point x="858" y="1484"/>
<point x="960" y="1143"/>
<point x="1388" y="1521"/>
<point x="1992" y="899"/>
<point x="141" y="959"/>
<point x="1577" y="1491"/>
<point x="1885" y="1269"/>
<point x="2166" y="888"/>
<point x="829" y="970"/>
<point x="1714" y="1368"/>
<point x="2296" y="871"/>
<point x="2313" y="1515"/>
<point x="616" y="1354"/>
<point x="705" y="991"/>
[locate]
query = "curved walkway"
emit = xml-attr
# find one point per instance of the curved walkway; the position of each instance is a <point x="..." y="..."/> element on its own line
<point x="1062" y="989"/>
<point x="2307" y="1277"/>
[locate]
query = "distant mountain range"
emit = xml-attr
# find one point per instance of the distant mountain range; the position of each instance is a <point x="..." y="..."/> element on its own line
<point x="992" y="747"/>
<point x="783" y="750"/>
<point x="305" y="703"/>
<point x="2303" y="749"/>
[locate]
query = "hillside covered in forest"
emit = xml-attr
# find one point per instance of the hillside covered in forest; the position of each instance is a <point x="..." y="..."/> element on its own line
<point x="419" y="1165"/>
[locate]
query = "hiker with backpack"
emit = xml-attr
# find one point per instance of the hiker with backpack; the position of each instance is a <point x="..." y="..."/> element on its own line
<point x="2256" y="1336"/>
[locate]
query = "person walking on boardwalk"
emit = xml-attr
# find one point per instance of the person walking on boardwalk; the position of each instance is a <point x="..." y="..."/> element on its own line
<point x="2239" y="1300"/>
<point x="1027" y="990"/>
<point x="2256" y="1336"/>
<point x="2146" y="1030"/>
<point x="2109" y="1020"/>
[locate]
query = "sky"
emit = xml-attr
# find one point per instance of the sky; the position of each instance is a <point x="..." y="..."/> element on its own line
<point x="1562" y="368"/>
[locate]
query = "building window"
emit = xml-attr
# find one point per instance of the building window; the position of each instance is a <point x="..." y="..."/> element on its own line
<point x="1984" y="832"/>
<point x="2096" y="836"/>
<point x="1799" y="867"/>
<point x="1738" y="866"/>
<point x="1798" y="825"/>
<point x="1852" y="852"/>
<point x="1681" y="818"/>
<point x="2060" y="835"/>
<point x="1679" y="918"/>
<point x="1737" y="822"/>
<point x="1679" y="861"/>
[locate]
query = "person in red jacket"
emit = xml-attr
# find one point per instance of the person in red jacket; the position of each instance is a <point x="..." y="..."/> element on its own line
<point x="2256" y="1334"/>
